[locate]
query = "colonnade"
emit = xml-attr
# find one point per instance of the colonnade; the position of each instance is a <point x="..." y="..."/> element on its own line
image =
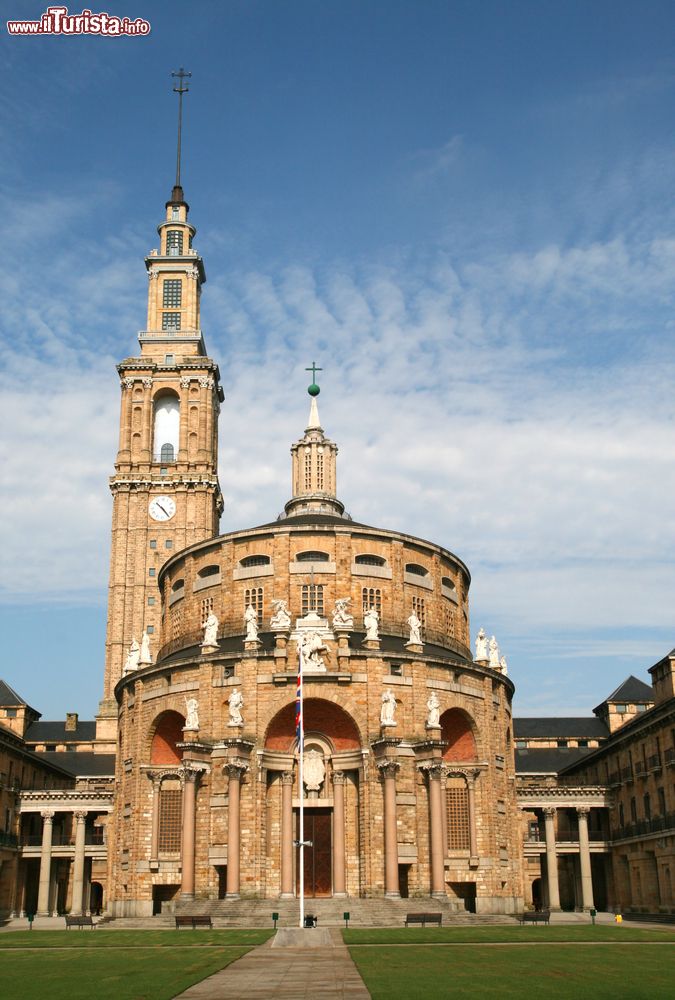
<point x="552" y="882"/>
<point x="46" y="851"/>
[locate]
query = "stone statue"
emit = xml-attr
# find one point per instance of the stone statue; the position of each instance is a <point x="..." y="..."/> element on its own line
<point x="251" y="620"/>
<point x="313" y="770"/>
<point x="312" y="646"/>
<point x="281" y="618"/>
<point x="145" y="649"/>
<point x="415" y="626"/>
<point x="371" y="620"/>
<point x="133" y="657"/>
<point x="388" y="709"/>
<point x="341" y="615"/>
<point x="503" y="664"/>
<point x="494" y="653"/>
<point x="236" y="702"/>
<point x="210" y="627"/>
<point x="192" y="721"/>
<point x="481" y="645"/>
<point x="434" y="710"/>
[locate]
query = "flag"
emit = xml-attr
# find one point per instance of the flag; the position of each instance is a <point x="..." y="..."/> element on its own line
<point x="299" y="721"/>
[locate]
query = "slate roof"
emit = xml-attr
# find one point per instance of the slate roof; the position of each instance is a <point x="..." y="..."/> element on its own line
<point x="554" y="727"/>
<point x="632" y="689"/>
<point x="85" y="765"/>
<point x="547" y="760"/>
<point x="56" y="732"/>
<point x="8" y="695"/>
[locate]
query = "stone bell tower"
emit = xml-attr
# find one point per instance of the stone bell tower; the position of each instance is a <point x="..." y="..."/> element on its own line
<point x="166" y="494"/>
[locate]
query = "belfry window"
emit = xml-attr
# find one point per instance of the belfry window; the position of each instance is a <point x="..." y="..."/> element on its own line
<point x="312" y="598"/>
<point x="171" y="321"/>
<point x="174" y="243"/>
<point x="172" y="292"/>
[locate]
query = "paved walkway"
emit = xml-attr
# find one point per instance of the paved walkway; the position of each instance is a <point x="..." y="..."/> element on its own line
<point x="287" y="973"/>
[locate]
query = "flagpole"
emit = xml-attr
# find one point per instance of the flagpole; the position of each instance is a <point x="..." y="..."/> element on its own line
<point x="301" y="753"/>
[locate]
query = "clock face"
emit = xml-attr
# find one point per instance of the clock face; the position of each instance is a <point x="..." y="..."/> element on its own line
<point x="162" y="508"/>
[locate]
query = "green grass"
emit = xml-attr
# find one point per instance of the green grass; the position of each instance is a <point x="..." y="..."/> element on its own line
<point x="116" y="965"/>
<point x="556" y="963"/>
<point x="497" y="934"/>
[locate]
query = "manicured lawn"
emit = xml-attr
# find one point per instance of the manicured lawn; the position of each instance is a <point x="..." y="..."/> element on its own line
<point x="115" y="965"/>
<point x="595" y="962"/>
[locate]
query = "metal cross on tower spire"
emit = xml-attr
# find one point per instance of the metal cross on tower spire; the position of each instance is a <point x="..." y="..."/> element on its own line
<point x="181" y="76"/>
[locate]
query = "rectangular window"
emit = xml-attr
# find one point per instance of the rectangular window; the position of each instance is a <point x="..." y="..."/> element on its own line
<point x="153" y="543"/>
<point x="152" y="571"/>
<point x="206" y="608"/>
<point x="254" y="596"/>
<point x="176" y="619"/>
<point x="172" y="292"/>
<point x="418" y="609"/>
<point x="169" y="359"/>
<point x="312" y="598"/>
<point x="168" y="544"/>
<point x="151" y="601"/>
<point x="11" y="713"/>
<point x="371" y="597"/>
<point x="174" y="243"/>
<point x="169" y="819"/>
<point x="170" y="321"/>
<point x="457" y="799"/>
<point x="150" y="629"/>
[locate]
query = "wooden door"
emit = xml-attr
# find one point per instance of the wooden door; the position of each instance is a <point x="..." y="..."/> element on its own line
<point x="318" y="857"/>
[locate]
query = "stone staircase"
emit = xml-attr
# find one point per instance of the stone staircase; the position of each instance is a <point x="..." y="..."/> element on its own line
<point x="363" y="913"/>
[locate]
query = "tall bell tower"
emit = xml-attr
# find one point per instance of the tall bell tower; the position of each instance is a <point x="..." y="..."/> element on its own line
<point x="166" y="494"/>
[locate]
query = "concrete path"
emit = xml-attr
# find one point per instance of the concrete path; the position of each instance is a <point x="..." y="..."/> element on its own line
<point x="284" y="971"/>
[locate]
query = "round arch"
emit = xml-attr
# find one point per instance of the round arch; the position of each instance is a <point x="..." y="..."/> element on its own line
<point x="166" y="732"/>
<point x="458" y="730"/>
<point x="321" y="716"/>
<point x="166" y="407"/>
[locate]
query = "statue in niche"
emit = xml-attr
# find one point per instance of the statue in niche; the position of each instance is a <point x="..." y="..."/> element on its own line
<point x="371" y="620"/>
<point x="192" y="720"/>
<point x="415" y="625"/>
<point x="341" y="616"/>
<point x="503" y="664"/>
<point x="281" y="618"/>
<point x="434" y="710"/>
<point x="481" y="645"/>
<point x="388" y="710"/>
<point x="314" y="770"/>
<point x="133" y="657"/>
<point x="312" y="646"/>
<point x="145" y="656"/>
<point x="236" y="703"/>
<point x="210" y="627"/>
<point x="251" y="622"/>
<point x="494" y="653"/>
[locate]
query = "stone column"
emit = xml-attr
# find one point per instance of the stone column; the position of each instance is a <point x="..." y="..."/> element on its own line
<point x="286" y="835"/>
<point x="389" y="769"/>
<point x="154" y="833"/>
<point x="551" y="859"/>
<point x="235" y="769"/>
<point x="585" y="858"/>
<point x="434" y="771"/>
<point x="45" y="863"/>
<point x="190" y="778"/>
<point x="78" y="865"/>
<point x="444" y="809"/>
<point x="473" y="836"/>
<point x="339" y="879"/>
<point x="183" y="419"/>
<point x="148" y="425"/>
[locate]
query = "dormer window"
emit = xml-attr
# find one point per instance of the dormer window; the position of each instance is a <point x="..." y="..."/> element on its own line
<point x="369" y="560"/>
<point x="416" y="569"/>
<point x="174" y="243"/>
<point x="248" y="561"/>
<point x="311" y="556"/>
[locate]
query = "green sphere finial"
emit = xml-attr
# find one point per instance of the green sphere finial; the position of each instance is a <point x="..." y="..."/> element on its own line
<point x="313" y="389"/>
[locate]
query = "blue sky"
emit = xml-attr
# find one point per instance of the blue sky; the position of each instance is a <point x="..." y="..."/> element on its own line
<point x="462" y="211"/>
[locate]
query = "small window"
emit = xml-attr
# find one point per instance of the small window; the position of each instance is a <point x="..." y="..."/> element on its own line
<point x="371" y="597"/>
<point x="447" y="582"/>
<point x="311" y="557"/>
<point x="151" y="601"/>
<point x="153" y="543"/>
<point x="50" y="747"/>
<point x="312" y="598"/>
<point x="11" y="713"/>
<point x="152" y="571"/>
<point x="622" y="709"/>
<point x="168" y="544"/>
<point x="368" y="560"/>
<point x="521" y="744"/>
<point x="419" y="609"/>
<point x="174" y="243"/>
<point x="561" y="744"/>
<point x="171" y="321"/>
<point x="416" y="569"/>
<point x="208" y="571"/>
<point x="150" y="629"/>
<point x="169" y="359"/>
<point x="172" y="292"/>
<point x="396" y="670"/>
<point x="582" y="743"/>
<point x="167" y="453"/>
<point x="175" y="212"/>
<point x="249" y="561"/>
<point x="254" y="596"/>
<point x="178" y="585"/>
<point x="640" y="708"/>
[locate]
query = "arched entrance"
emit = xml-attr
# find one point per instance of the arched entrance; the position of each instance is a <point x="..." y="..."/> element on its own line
<point x="330" y="798"/>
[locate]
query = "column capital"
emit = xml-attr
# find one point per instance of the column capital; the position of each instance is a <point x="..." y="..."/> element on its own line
<point x="433" y="768"/>
<point x="287" y="777"/>
<point x="81" y="815"/>
<point x="235" y="769"/>
<point x="190" y="772"/>
<point x="47" y="815"/>
<point x="339" y="777"/>
<point x="583" y="810"/>
<point x="549" y="811"/>
<point x="388" y="767"/>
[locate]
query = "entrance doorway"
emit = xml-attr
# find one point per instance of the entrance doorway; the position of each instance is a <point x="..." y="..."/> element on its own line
<point x="318" y="874"/>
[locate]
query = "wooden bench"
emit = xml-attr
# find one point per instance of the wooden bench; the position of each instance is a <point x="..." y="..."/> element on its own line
<point x="194" y="921"/>
<point x="536" y="917"/>
<point x="79" y="921"/>
<point x="424" y="919"/>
